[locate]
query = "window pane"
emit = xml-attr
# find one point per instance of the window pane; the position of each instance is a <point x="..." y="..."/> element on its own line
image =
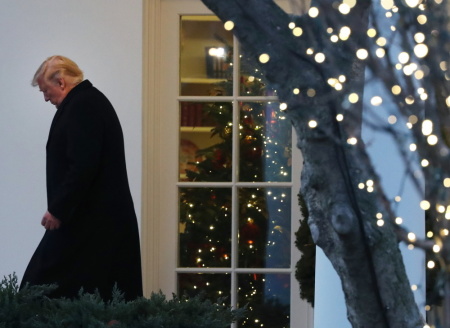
<point x="212" y="286"/>
<point x="205" y="227"/>
<point x="205" y="57"/>
<point x="205" y="141"/>
<point x="265" y="143"/>
<point x="264" y="227"/>
<point x="268" y="299"/>
<point x="252" y="81"/>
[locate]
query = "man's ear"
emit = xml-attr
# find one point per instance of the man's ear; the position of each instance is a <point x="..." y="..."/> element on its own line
<point x="62" y="83"/>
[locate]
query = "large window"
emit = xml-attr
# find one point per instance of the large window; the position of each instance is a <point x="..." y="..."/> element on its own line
<point x="221" y="177"/>
<point x="235" y="178"/>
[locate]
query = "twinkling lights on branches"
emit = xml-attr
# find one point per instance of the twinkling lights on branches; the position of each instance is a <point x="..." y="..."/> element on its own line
<point x="319" y="57"/>
<point x="406" y="90"/>
<point x="337" y="83"/>
<point x="362" y="54"/>
<point x="376" y="101"/>
<point x="229" y="25"/>
<point x="371" y="32"/>
<point x="387" y="4"/>
<point x="296" y="30"/>
<point x="344" y="33"/>
<point x="264" y="58"/>
<point x="313" y="12"/>
<point x="422" y="19"/>
<point x="344" y="9"/>
<point x="352" y="141"/>
<point x="425" y="205"/>
<point x="312" y="124"/>
<point x="446" y="182"/>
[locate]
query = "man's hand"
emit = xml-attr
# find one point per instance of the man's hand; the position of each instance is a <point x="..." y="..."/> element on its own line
<point x="49" y="222"/>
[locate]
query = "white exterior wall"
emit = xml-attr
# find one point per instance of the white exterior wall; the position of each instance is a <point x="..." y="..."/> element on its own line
<point x="105" y="38"/>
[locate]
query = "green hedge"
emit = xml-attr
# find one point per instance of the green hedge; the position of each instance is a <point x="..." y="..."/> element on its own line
<point x="31" y="308"/>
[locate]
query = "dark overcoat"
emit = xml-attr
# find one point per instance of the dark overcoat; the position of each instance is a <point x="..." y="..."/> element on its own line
<point x="97" y="244"/>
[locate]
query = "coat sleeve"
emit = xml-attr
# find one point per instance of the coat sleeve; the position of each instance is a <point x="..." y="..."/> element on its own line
<point x="85" y="130"/>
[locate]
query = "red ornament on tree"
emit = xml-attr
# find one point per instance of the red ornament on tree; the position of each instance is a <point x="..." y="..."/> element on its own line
<point x="250" y="232"/>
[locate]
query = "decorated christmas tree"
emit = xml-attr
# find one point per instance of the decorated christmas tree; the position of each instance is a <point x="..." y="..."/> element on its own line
<point x="263" y="224"/>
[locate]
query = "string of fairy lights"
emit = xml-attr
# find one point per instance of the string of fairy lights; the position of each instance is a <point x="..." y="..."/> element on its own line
<point x="408" y="65"/>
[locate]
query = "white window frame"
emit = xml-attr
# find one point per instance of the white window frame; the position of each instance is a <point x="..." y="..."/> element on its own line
<point x="159" y="230"/>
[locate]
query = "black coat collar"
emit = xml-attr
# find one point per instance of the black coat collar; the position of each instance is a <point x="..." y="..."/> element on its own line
<point x="86" y="84"/>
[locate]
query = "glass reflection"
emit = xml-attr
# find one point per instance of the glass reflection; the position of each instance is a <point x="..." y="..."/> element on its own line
<point x="205" y="227"/>
<point x="265" y="143"/>
<point x="205" y="141"/>
<point x="211" y="286"/>
<point x="268" y="296"/>
<point x="206" y="57"/>
<point x="264" y="227"/>
<point x="252" y="81"/>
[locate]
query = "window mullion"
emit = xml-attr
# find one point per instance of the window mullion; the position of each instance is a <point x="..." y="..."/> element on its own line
<point x="235" y="172"/>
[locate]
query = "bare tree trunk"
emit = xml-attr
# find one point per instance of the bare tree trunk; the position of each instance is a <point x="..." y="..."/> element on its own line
<point x="342" y="222"/>
<point x="342" y="217"/>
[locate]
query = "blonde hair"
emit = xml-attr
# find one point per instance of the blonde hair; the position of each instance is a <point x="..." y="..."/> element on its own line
<point x="55" y="67"/>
